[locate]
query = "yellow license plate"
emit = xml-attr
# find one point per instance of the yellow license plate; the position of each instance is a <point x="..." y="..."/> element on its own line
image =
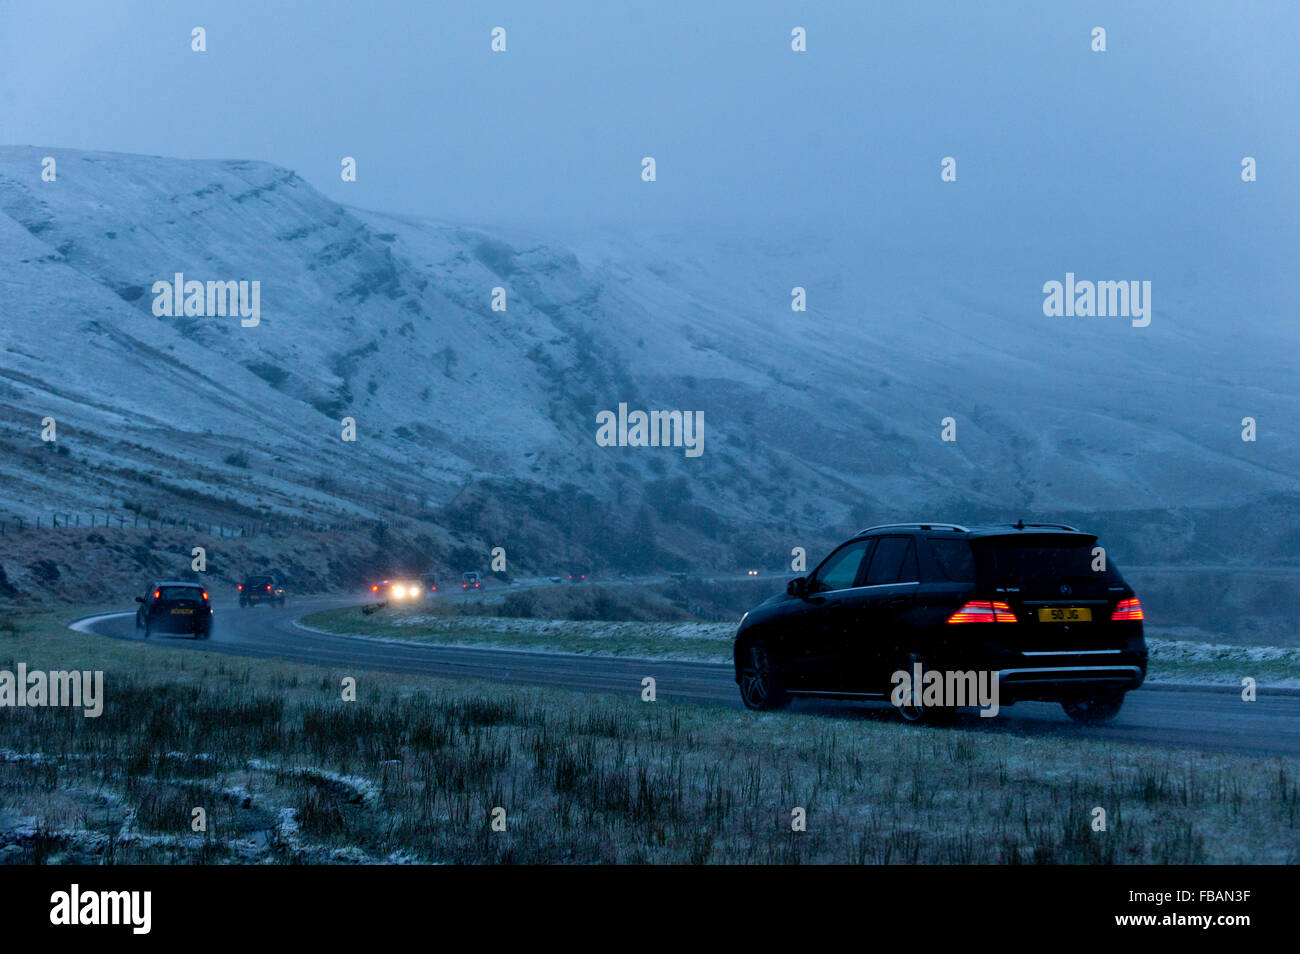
<point x="183" y="612"/>
<point x="1065" y="614"/>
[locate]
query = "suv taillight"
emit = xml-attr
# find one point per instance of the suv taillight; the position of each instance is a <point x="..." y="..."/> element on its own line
<point x="983" y="611"/>
<point x="1128" y="611"/>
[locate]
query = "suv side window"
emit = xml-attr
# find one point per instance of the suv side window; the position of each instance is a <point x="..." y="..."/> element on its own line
<point x="948" y="561"/>
<point x="840" y="570"/>
<point x="893" y="562"/>
<point x="909" y="573"/>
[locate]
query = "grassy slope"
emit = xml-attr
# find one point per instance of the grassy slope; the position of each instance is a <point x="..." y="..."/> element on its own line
<point x="288" y="772"/>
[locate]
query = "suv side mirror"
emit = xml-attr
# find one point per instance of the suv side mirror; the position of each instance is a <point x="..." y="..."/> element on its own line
<point x="139" y="599"/>
<point x="798" y="587"/>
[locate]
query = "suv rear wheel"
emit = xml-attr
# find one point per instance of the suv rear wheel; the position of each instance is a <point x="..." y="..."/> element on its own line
<point x="918" y="713"/>
<point x="760" y="684"/>
<point x="1093" y="710"/>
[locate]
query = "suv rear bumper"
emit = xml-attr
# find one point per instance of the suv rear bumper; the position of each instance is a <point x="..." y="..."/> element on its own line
<point x="1052" y="683"/>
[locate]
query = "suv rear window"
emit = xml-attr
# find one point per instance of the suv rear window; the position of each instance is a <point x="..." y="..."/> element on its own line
<point x="258" y="581"/>
<point x="1042" y="559"/>
<point x="180" y="593"/>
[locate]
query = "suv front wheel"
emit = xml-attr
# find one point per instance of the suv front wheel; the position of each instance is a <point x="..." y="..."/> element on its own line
<point x="1093" y="710"/>
<point x="760" y="684"/>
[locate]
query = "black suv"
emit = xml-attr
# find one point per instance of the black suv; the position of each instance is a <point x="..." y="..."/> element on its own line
<point x="1054" y="619"/>
<point x="261" y="589"/>
<point x="180" y="608"/>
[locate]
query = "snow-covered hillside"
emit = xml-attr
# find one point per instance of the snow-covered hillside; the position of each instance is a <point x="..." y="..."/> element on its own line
<point x="812" y="420"/>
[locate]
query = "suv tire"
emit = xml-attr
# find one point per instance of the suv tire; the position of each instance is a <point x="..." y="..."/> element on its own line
<point x="761" y="687"/>
<point x="920" y="714"/>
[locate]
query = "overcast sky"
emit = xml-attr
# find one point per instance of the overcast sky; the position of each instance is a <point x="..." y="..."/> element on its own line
<point x="1130" y="150"/>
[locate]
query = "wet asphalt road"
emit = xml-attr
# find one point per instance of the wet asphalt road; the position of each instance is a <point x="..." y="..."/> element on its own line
<point x="1204" y="719"/>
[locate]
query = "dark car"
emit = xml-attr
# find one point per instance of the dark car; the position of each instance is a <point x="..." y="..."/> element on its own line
<point x="178" y="608"/>
<point x="1039" y="607"/>
<point x="578" y="575"/>
<point x="261" y="589"/>
<point x="470" y="581"/>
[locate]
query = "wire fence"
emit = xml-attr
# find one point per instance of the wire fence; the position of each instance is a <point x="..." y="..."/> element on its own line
<point x="71" y="520"/>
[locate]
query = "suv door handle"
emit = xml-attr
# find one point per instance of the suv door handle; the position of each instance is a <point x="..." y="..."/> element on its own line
<point x="898" y="602"/>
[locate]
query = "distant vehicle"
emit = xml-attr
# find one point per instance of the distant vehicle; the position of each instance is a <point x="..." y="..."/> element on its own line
<point x="578" y="576"/>
<point x="1052" y="624"/>
<point x="262" y="588"/>
<point x="680" y="577"/>
<point x="470" y="581"/>
<point x="180" y="608"/>
<point x="753" y="573"/>
<point x="402" y="589"/>
<point x="429" y="583"/>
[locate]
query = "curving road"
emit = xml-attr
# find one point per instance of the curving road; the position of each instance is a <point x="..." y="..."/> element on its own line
<point x="1205" y="719"/>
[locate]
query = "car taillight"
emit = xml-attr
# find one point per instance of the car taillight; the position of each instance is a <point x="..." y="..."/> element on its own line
<point x="1129" y="610"/>
<point x="240" y="586"/>
<point x="983" y="611"/>
<point x="268" y="587"/>
<point x="157" y="594"/>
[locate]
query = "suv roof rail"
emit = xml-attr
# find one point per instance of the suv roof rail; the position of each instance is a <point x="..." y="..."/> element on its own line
<point x="916" y="526"/>
<point x="1021" y="525"/>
